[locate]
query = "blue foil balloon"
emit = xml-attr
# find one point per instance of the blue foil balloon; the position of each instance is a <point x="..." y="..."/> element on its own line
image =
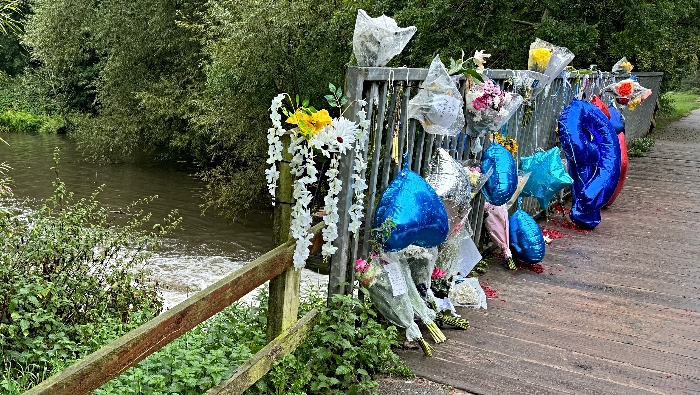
<point x="416" y="210"/>
<point x="591" y="145"/>
<point x="547" y="175"/>
<point x="617" y="120"/>
<point x="504" y="180"/>
<point x="526" y="239"/>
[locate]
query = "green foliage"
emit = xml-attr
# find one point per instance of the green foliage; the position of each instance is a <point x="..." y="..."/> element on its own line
<point x="676" y="105"/>
<point x="343" y="353"/>
<point x="26" y="122"/>
<point x="71" y="280"/>
<point x="202" y="357"/>
<point x="639" y="147"/>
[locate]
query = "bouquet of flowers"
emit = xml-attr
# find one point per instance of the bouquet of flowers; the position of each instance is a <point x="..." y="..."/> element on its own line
<point x="441" y="289"/>
<point x="623" y="66"/>
<point x="421" y="262"/>
<point x="476" y="178"/>
<point x="497" y="225"/>
<point x="316" y="133"/>
<point x="628" y="93"/>
<point x="394" y="306"/>
<point x="438" y="104"/>
<point x="549" y="60"/>
<point x="508" y="142"/>
<point x="489" y="107"/>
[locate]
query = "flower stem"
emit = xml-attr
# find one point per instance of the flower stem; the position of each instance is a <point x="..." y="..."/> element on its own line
<point x="511" y="263"/>
<point x="436" y="333"/>
<point x="454" y="321"/>
<point x="427" y="348"/>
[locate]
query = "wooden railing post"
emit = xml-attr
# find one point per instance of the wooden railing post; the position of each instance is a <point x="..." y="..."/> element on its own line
<point x="283" y="303"/>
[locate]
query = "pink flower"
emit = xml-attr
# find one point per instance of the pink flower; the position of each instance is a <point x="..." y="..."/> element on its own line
<point x="438" y="273"/>
<point x="479" y="103"/>
<point x="361" y="265"/>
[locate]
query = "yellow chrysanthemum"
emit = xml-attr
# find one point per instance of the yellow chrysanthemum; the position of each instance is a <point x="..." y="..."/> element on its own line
<point x="539" y="59"/>
<point x="634" y="103"/>
<point x="627" y="66"/>
<point x="310" y="124"/>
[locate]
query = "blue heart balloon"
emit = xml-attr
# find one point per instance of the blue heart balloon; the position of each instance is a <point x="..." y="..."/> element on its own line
<point x="504" y="180"/>
<point x="416" y="210"/>
<point x="547" y="175"/>
<point x="591" y="145"/>
<point x="526" y="239"/>
<point x="617" y="120"/>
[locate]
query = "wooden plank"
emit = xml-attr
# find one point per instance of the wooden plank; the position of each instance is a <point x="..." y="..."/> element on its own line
<point x="374" y="170"/>
<point x="255" y="368"/>
<point x="113" y="359"/>
<point x="283" y="300"/>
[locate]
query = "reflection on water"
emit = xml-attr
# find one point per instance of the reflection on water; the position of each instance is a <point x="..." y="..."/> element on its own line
<point x="204" y="250"/>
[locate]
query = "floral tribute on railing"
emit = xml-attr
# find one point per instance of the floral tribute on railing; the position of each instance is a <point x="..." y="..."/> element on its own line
<point x="316" y="133"/>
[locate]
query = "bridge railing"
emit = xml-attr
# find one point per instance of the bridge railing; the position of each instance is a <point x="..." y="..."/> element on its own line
<point x="387" y="92"/>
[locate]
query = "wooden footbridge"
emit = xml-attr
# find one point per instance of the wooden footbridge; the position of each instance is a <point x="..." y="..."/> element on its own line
<point x="615" y="310"/>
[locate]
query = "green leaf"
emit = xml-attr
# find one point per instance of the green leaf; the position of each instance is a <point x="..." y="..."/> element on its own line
<point x="297" y="100"/>
<point x="339" y="92"/>
<point x="331" y="87"/>
<point x="305" y="103"/>
<point x="344" y="100"/>
<point x="475" y="75"/>
<point x="331" y="100"/>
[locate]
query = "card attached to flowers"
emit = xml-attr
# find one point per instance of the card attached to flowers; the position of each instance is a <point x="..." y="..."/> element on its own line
<point x="317" y="134"/>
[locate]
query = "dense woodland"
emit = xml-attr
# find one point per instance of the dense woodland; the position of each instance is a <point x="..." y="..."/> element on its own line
<point x="196" y="77"/>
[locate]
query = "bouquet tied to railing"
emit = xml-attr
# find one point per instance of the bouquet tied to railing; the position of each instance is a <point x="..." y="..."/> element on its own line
<point x="318" y="135"/>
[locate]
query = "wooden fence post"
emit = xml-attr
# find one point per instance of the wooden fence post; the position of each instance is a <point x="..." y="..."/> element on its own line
<point x="283" y="302"/>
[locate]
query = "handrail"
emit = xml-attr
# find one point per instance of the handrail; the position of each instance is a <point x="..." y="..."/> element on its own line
<point x="116" y="357"/>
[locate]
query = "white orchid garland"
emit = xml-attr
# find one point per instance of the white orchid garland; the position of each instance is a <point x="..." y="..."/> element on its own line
<point x="336" y="139"/>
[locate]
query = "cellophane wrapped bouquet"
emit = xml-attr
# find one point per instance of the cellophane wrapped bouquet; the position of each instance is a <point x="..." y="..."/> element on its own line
<point x="548" y="59"/>
<point x="397" y="309"/>
<point x="489" y="107"/>
<point x="628" y="93"/>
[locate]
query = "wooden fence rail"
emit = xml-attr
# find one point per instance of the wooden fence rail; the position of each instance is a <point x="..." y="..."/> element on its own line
<point x="113" y="359"/>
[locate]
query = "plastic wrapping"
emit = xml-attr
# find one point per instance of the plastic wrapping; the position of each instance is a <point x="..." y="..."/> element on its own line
<point x="477" y="179"/>
<point x="622" y="66"/>
<point x="489" y="107"/>
<point x="438" y="105"/>
<point x="421" y="261"/>
<point x="451" y="183"/>
<point x="448" y="253"/>
<point x="549" y="60"/>
<point x="497" y="225"/>
<point x="628" y="93"/>
<point x="468" y="292"/>
<point x="527" y="82"/>
<point x="397" y="309"/>
<point x="377" y="40"/>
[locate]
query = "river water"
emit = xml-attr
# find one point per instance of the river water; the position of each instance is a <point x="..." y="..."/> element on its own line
<point x="204" y="250"/>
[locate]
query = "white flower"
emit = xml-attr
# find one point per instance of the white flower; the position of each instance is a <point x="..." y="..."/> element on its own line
<point x="480" y="59"/>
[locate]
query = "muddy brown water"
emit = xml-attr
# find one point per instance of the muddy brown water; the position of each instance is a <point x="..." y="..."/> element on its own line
<point x="204" y="250"/>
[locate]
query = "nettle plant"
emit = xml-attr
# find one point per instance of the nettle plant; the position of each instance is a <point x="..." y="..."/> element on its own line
<point x="71" y="280"/>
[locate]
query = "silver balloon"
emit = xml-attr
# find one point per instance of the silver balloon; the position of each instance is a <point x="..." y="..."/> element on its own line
<point x="451" y="182"/>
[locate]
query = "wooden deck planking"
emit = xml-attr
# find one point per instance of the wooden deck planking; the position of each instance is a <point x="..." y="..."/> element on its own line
<point x="617" y="310"/>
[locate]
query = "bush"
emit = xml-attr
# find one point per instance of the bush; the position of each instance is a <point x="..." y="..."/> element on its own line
<point x="343" y="354"/>
<point x="71" y="281"/>
<point x="25" y="122"/>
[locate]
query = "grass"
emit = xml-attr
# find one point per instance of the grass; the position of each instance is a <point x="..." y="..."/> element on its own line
<point x="681" y="104"/>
